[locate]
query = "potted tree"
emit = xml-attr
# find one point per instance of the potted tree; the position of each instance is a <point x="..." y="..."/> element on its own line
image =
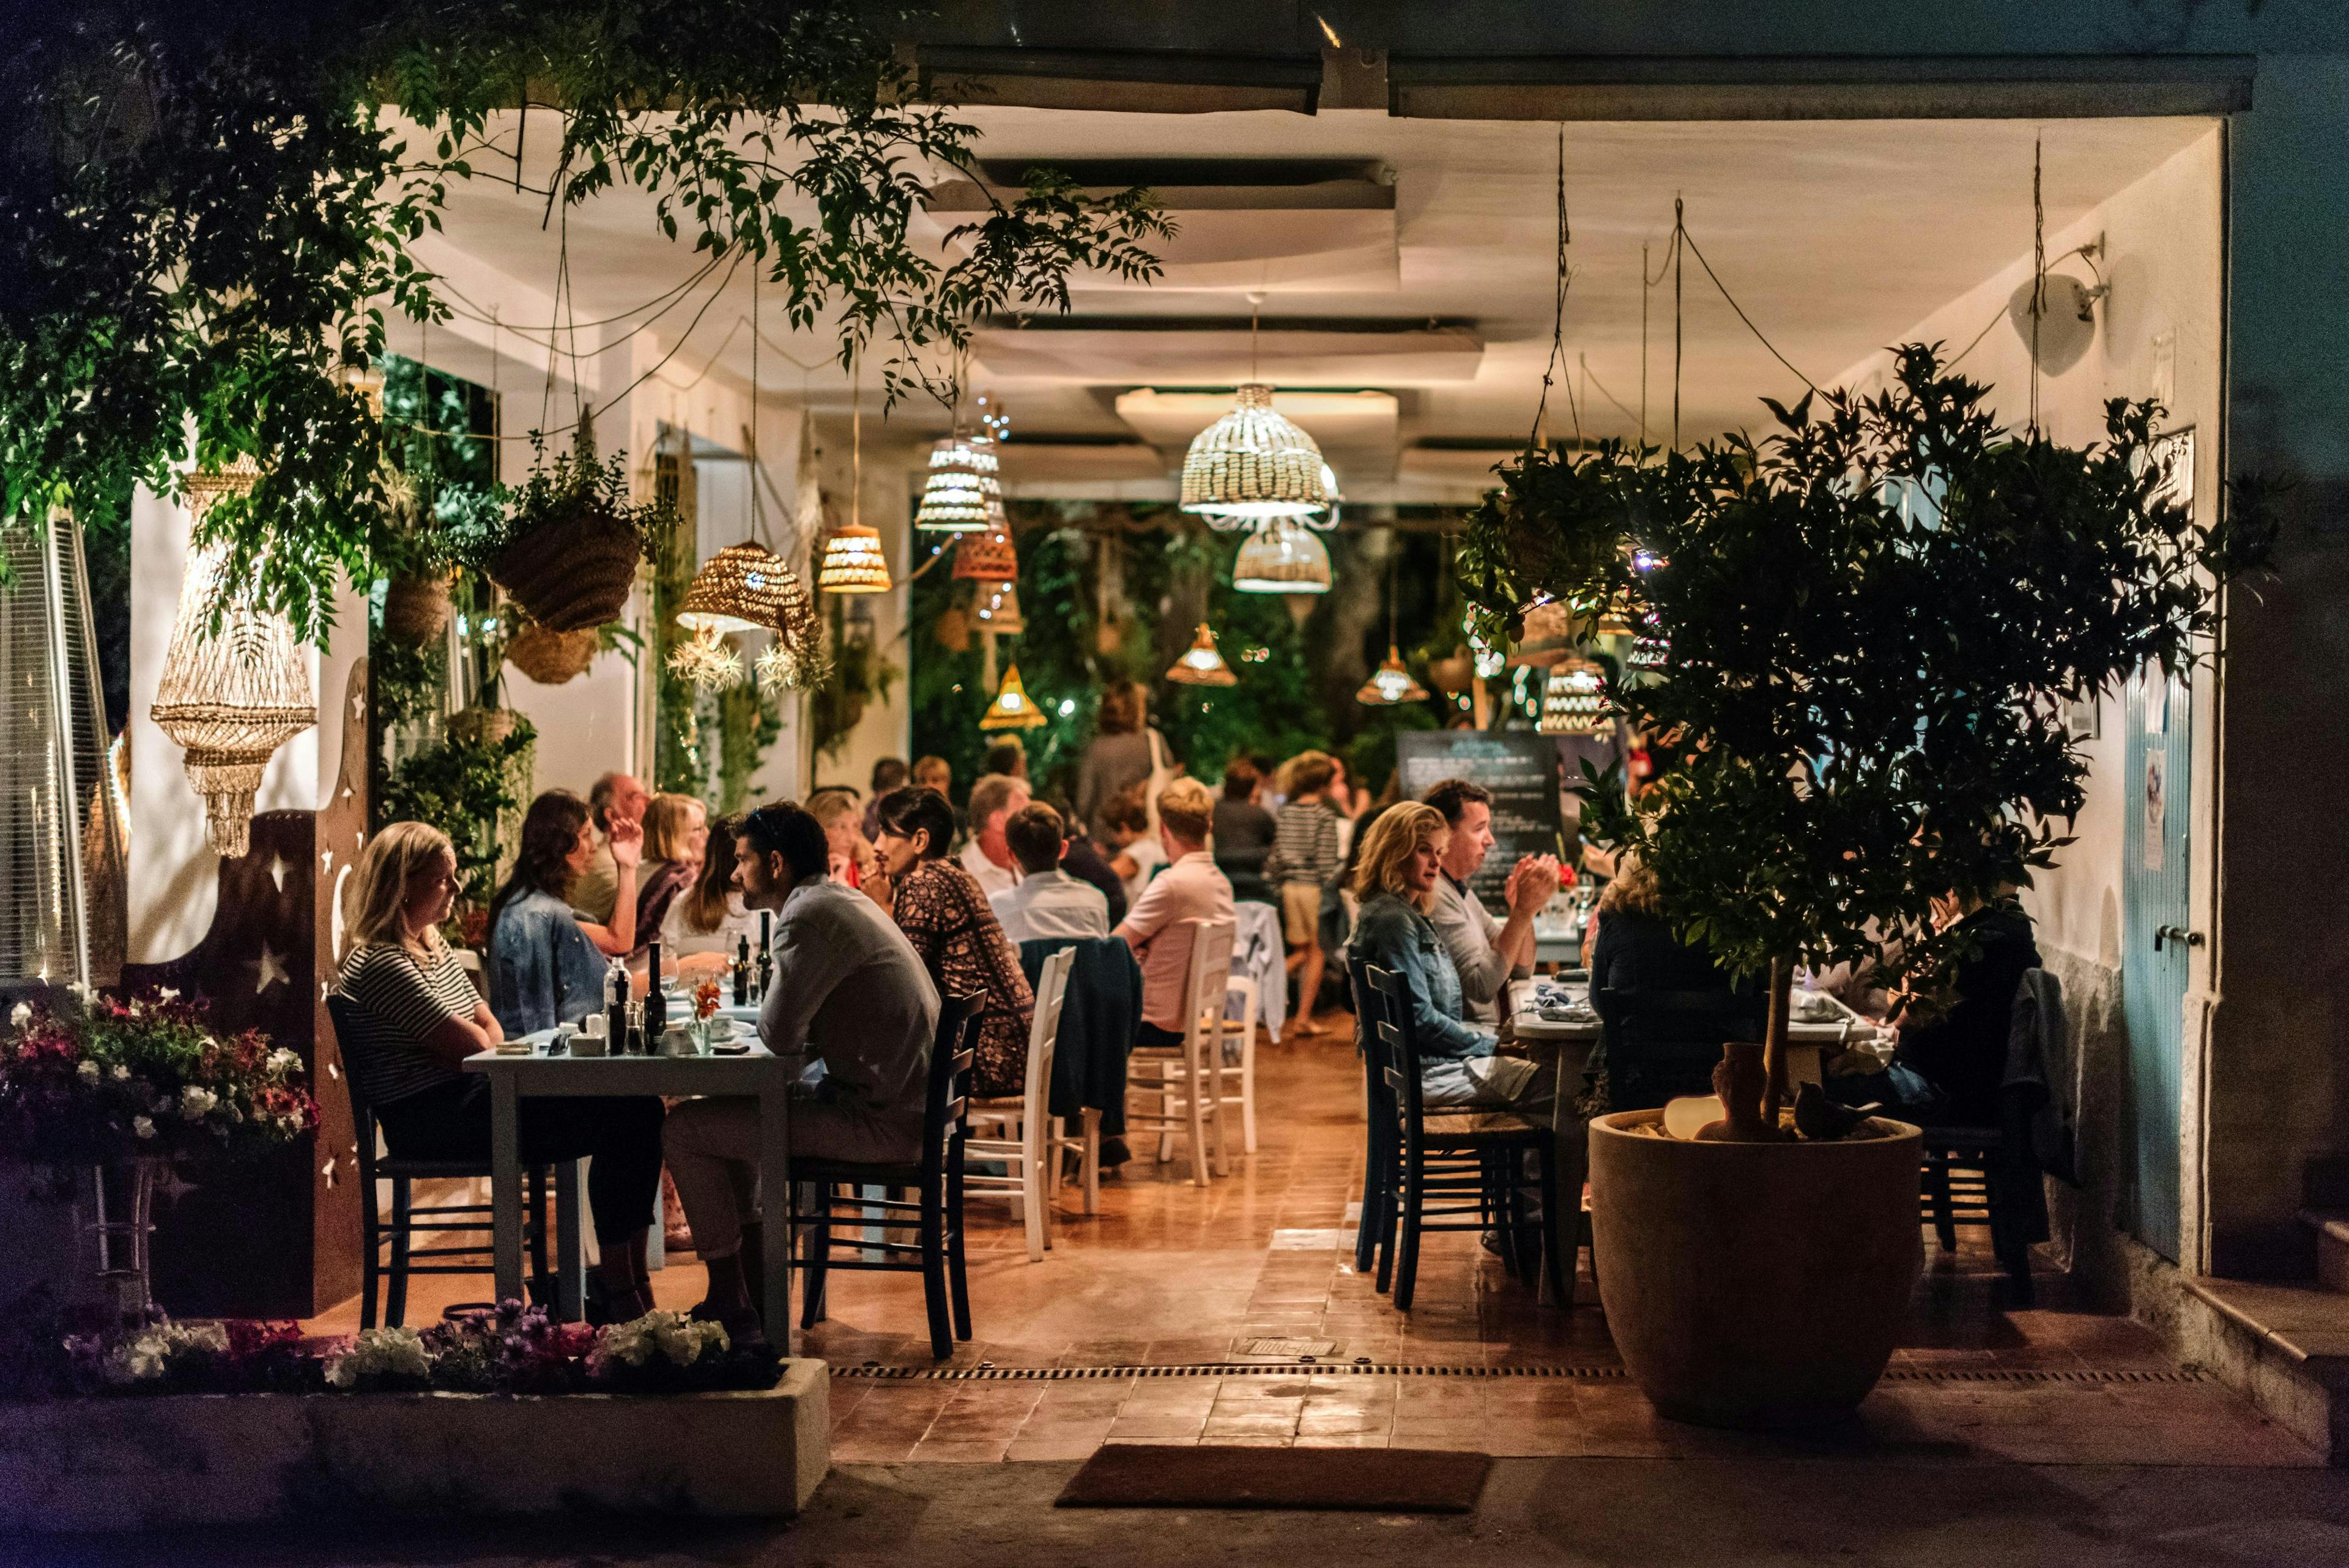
<point x="1862" y="632"/>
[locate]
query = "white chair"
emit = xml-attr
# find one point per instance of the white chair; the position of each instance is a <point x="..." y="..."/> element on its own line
<point x="1018" y="1133"/>
<point x="1187" y="1080"/>
<point x="1239" y="1040"/>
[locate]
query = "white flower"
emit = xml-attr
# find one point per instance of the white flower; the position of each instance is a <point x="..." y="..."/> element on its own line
<point x="281" y="1062"/>
<point x="148" y="1353"/>
<point x="168" y="993"/>
<point x="380" y="1352"/>
<point x="195" y="1102"/>
<point x="87" y="1071"/>
<point x="142" y="1127"/>
<point x="122" y="1073"/>
<point x="20" y="1016"/>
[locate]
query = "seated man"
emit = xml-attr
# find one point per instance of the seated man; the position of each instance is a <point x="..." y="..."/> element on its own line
<point x="1487" y="952"/>
<point x="1190" y="888"/>
<point x="994" y="800"/>
<point x="849" y="992"/>
<point x="1047" y="902"/>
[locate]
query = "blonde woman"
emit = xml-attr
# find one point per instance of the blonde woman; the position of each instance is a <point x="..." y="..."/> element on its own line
<point x="415" y="1016"/>
<point x="677" y="836"/>
<point x="1403" y="855"/>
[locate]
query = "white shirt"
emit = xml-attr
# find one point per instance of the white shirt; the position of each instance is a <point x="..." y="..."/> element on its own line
<point x="1050" y="904"/>
<point x="1147" y="855"/>
<point x="678" y="941"/>
<point x="992" y="879"/>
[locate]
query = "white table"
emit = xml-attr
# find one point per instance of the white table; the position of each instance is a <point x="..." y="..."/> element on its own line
<point x="758" y="1074"/>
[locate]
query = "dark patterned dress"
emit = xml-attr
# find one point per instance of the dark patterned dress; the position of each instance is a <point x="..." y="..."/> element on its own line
<point x="946" y="919"/>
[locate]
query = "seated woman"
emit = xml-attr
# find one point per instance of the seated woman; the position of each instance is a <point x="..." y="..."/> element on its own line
<point x="418" y="1017"/>
<point x="676" y="832"/>
<point x="1652" y="1056"/>
<point x="1403" y="855"/>
<point x="1951" y="1064"/>
<point x="706" y="923"/>
<point x="849" y="853"/>
<point x="938" y="906"/>
<point x="543" y="962"/>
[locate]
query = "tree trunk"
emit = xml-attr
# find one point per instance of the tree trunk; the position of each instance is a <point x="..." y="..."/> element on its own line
<point x="1773" y="1043"/>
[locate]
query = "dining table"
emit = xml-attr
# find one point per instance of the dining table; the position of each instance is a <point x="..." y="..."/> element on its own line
<point x="1555" y="1025"/>
<point x="541" y="1063"/>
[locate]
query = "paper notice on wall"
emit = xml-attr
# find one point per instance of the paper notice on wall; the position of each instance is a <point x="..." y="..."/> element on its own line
<point x="2155" y="804"/>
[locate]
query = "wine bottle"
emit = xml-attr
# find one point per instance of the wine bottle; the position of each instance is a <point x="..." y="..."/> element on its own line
<point x="741" y="967"/>
<point x="615" y="1006"/>
<point x="656" y="1004"/>
<point x="766" y="951"/>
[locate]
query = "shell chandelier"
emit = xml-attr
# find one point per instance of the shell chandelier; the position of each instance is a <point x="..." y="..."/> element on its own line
<point x="1255" y="464"/>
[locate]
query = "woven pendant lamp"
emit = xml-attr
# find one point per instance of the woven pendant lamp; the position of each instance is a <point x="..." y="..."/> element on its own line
<point x="962" y="483"/>
<point x="997" y="610"/>
<point x="1255" y="464"/>
<point x="1012" y="708"/>
<point x="1390" y="683"/>
<point x="988" y="557"/>
<point x="1281" y="558"/>
<point x="1202" y="664"/>
<point x="229" y="698"/>
<point x="1574" y="700"/>
<point x="1549" y="638"/>
<point x="745" y="587"/>
<point x="853" y="559"/>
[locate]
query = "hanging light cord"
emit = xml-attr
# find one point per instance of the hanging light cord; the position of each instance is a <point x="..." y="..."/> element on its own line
<point x="1557" y="311"/>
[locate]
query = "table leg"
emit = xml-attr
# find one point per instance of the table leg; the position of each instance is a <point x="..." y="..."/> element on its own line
<point x="505" y="1186"/>
<point x="1571" y="1150"/>
<point x="775" y="1204"/>
<point x="570" y="1250"/>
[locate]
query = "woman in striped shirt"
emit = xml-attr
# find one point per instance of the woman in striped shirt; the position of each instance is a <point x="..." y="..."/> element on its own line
<point x="415" y="1017"/>
<point x="1305" y="843"/>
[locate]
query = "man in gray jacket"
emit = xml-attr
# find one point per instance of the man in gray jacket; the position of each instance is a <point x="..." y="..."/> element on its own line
<point x="1486" y="952"/>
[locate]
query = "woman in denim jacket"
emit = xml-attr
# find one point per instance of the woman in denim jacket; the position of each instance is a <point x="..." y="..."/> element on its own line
<point x="1401" y="858"/>
<point x="544" y="966"/>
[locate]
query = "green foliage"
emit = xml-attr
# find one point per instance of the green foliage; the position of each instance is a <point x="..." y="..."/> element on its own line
<point x="574" y="485"/>
<point x="462" y="787"/>
<point x="750" y="722"/>
<point x="410" y="683"/>
<point x="1872" y="619"/>
<point x="205" y="215"/>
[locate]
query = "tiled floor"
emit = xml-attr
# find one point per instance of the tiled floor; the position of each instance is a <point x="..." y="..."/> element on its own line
<point x="1170" y="1275"/>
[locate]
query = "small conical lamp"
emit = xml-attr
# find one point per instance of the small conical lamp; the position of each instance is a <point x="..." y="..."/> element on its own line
<point x="1390" y="683"/>
<point x="997" y="610"/>
<point x="988" y="557"/>
<point x="1281" y="558"/>
<point x="1012" y="708"/>
<point x="1574" y="700"/>
<point x="853" y="559"/>
<point x="962" y="483"/>
<point x="1202" y="665"/>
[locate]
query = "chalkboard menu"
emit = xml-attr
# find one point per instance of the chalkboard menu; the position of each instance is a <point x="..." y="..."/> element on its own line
<point x="1519" y="771"/>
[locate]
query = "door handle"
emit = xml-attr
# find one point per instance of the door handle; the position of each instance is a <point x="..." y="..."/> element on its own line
<point x="2176" y="934"/>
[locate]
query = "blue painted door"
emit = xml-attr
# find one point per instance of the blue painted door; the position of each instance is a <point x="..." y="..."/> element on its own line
<point x="2155" y="939"/>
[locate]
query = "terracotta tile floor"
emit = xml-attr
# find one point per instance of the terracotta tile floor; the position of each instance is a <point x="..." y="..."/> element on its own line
<point x="1171" y="1275"/>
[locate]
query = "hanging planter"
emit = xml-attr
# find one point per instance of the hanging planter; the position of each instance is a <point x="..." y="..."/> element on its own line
<point x="567" y="548"/>
<point x="483" y="726"/>
<point x="416" y="608"/>
<point x="551" y="658"/>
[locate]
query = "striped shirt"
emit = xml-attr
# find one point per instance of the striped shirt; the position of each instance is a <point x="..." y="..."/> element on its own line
<point x="400" y="999"/>
<point x="1307" y="842"/>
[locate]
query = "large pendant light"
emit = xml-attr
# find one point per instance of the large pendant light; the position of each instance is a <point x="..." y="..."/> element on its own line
<point x="745" y="587"/>
<point x="1255" y="464"/>
<point x="1574" y="700"/>
<point x="1202" y="664"/>
<point x="853" y="559"/>
<point x="1012" y="708"/>
<point x="961" y="485"/>
<point x="1281" y="558"/>
<point x="230" y="697"/>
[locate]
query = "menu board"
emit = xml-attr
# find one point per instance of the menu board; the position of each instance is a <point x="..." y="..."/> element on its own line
<point x="1518" y="770"/>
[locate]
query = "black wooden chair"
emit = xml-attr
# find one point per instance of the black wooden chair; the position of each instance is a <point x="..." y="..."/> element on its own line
<point x="1986" y="1176"/>
<point x="1660" y="1044"/>
<point x="1456" y="1157"/>
<point x="936" y="1180"/>
<point x="408" y="1218"/>
<point x="1373" y="1232"/>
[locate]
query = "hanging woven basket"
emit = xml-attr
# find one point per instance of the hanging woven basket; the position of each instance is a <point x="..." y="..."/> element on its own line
<point x="572" y="571"/>
<point x="415" y="609"/>
<point x="483" y="726"/>
<point x="551" y="658"/>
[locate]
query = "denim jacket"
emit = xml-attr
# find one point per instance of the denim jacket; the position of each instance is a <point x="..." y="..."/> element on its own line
<point x="543" y="970"/>
<point x="1391" y="935"/>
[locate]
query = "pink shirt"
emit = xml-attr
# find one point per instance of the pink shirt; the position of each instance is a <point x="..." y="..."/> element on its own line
<point x="1189" y="890"/>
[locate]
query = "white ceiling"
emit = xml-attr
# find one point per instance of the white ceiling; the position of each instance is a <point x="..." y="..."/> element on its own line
<point x="1835" y="236"/>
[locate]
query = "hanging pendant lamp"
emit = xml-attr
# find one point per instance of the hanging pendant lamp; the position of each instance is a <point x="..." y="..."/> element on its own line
<point x="853" y="559"/>
<point x="1574" y="700"/>
<point x="1548" y="639"/>
<point x="997" y="610"/>
<point x="988" y="557"/>
<point x="1012" y="708"/>
<point x="1255" y="464"/>
<point x="961" y="485"/>
<point x="1281" y="558"/>
<point x="1390" y="683"/>
<point x="229" y="698"/>
<point x="745" y="588"/>
<point x="1202" y="665"/>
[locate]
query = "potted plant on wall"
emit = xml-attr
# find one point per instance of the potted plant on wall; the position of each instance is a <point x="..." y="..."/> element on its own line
<point x="1865" y="629"/>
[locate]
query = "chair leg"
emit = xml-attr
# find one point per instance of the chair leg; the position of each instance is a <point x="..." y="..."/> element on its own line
<point x="2012" y="1253"/>
<point x="371" y="1266"/>
<point x="1366" y="1224"/>
<point x="819" y="1259"/>
<point x="933" y="1278"/>
<point x="957" y="1278"/>
<point x="1035" y="1213"/>
<point x="1213" y="1088"/>
<point x="395" y="1310"/>
<point x="1092" y="1159"/>
<point x="1557" y="1235"/>
<point x="1197" y="1091"/>
<point x="1937" y="1187"/>
<point x="1406" y="1273"/>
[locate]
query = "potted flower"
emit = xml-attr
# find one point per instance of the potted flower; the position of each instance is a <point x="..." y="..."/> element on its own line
<point x="566" y="547"/>
<point x="1861" y="633"/>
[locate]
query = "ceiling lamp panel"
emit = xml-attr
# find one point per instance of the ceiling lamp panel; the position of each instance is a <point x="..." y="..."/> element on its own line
<point x="1282" y="558"/>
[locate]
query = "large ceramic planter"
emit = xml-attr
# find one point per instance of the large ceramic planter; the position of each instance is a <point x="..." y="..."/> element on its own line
<point x="1755" y="1283"/>
<point x="129" y="1463"/>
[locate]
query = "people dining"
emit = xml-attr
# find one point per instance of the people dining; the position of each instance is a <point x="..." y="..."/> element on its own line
<point x="888" y="773"/>
<point x="1486" y="952"/>
<point x="1309" y="852"/>
<point x="1189" y="889"/>
<point x="844" y="829"/>
<point x="1047" y="902"/>
<point x="616" y="803"/>
<point x="1243" y="833"/>
<point x="1082" y="859"/>
<point x="1951" y="1062"/>
<point x="676" y="831"/>
<point x="1634" y="948"/>
<point x="849" y="994"/>
<point x="706" y="923"/>
<point x="929" y="773"/>
<point x="987" y="857"/>
<point x="1126" y="753"/>
<point x="545" y="964"/>
<point x="415" y="1017"/>
<point x="948" y="921"/>
<point x="1401" y="866"/>
<point x="1136" y="852"/>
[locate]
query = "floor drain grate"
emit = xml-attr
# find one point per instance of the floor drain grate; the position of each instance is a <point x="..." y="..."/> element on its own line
<point x="1292" y="1348"/>
<point x="877" y="1371"/>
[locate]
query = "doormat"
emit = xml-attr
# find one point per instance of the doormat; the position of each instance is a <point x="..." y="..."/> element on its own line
<point x="1375" y="1481"/>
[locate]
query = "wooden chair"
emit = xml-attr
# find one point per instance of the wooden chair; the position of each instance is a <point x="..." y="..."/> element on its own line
<point x="1372" y="1227"/>
<point x="1453" y="1157"/>
<point x="1237" y="1036"/>
<point x="1018" y="1133"/>
<point x="935" y="1177"/>
<point x="1971" y="1176"/>
<point x="408" y="1218"/>
<point x="1188" y="1085"/>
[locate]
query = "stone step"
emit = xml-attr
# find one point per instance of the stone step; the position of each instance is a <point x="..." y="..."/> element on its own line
<point x="2332" y="1228"/>
<point x="2285" y="1344"/>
